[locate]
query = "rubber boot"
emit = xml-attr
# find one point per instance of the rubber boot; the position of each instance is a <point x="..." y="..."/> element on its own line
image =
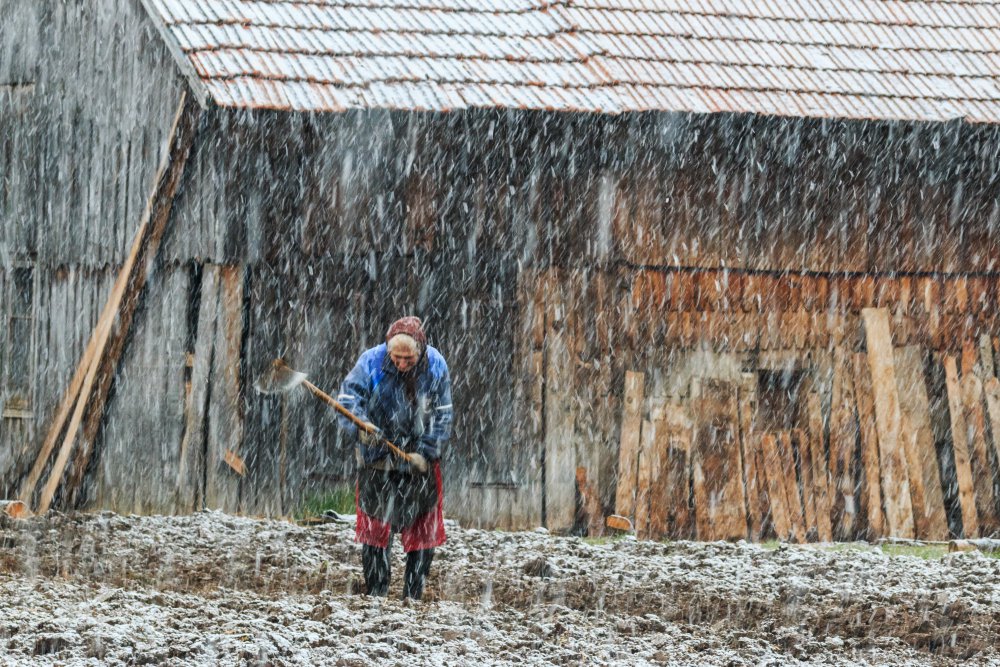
<point x="375" y="563"/>
<point x="418" y="565"/>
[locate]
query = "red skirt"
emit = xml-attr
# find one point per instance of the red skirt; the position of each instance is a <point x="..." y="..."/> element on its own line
<point x="426" y="531"/>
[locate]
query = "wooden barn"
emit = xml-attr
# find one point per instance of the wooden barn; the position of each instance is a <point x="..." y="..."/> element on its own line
<point x="728" y="269"/>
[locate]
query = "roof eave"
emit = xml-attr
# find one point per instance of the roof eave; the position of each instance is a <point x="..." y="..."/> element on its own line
<point x="198" y="89"/>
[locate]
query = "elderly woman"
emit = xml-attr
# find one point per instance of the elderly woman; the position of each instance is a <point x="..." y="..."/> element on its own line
<point x="402" y="390"/>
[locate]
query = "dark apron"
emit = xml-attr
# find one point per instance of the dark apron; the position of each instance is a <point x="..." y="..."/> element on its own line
<point x="396" y="498"/>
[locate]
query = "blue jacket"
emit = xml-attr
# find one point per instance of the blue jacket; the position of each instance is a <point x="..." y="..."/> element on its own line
<point x="373" y="391"/>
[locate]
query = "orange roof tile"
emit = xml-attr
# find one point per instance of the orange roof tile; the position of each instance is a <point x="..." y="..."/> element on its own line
<point x="887" y="59"/>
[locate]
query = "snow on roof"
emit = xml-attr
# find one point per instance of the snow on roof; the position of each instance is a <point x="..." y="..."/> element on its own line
<point x="884" y="59"/>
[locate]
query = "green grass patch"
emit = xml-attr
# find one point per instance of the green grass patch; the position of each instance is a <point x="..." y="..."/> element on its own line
<point x="340" y="499"/>
<point x="926" y="551"/>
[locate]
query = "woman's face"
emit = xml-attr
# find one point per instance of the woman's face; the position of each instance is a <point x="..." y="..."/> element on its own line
<point x="403" y="358"/>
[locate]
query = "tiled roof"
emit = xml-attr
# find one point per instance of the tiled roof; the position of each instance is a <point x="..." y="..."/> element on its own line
<point x="891" y="59"/>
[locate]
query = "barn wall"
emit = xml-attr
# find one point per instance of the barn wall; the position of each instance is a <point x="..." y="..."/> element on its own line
<point x="338" y="224"/>
<point x="87" y="96"/>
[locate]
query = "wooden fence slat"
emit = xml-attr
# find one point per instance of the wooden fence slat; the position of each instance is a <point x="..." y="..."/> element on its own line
<point x="960" y="449"/>
<point x="892" y="459"/>
<point x="929" y="518"/>
<point x="560" y="446"/>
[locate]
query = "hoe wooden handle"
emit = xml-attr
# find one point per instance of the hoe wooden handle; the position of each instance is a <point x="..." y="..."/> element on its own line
<point x="350" y="415"/>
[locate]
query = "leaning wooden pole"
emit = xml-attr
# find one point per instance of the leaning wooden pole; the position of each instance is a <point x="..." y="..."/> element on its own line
<point x="103" y="357"/>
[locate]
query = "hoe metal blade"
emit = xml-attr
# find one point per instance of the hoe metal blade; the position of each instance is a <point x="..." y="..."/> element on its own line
<point x="279" y="379"/>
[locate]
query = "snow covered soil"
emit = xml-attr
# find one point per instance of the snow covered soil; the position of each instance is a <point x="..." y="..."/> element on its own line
<point x="212" y="588"/>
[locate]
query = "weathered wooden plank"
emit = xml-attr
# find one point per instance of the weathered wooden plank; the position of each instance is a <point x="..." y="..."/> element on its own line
<point x="843" y="444"/>
<point x="871" y="493"/>
<point x="820" y="468"/>
<point x="629" y="443"/>
<point x="960" y="449"/>
<point x="774" y="478"/>
<point x="560" y="448"/>
<point x="800" y="440"/>
<point x="754" y="483"/>
<point x="793" y="493"/>
<point x="921" y="454"/>
<point x="991" y="394"/>
<point x="669" y="497"/>
<point x="982" y="471"/>
<point x="648" y="460"/>
<point x="892" y="459"/>
<point x="715" y="463"/>
<point x="225" y="416"/>
<point x="191" y="459"/>
<point x="590" y="504"/>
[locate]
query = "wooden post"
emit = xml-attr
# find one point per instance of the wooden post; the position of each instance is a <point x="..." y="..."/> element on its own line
<point x="895" y="479"/>
<point x="960" y="449"/>
<point x="921" y="454"/>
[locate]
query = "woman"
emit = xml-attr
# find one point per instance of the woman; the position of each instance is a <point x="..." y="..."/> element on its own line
<point x="402" y="390"/>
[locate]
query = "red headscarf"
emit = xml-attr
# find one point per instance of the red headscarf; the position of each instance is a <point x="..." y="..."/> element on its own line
<point x="412" y="327"/>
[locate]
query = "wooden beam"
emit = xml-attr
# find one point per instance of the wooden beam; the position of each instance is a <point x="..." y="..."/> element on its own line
<point x="892" y="459"/>
<point x="960" y="449"/>
<point x="929" y="517"/>
<point x="123" y="300"/>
